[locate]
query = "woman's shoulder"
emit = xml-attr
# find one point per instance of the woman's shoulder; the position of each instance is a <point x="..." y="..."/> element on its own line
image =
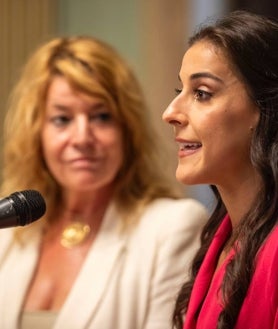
<point x="6" y="238"/>
<point x="170" y="230"/>
<point x="269" y="248"/>
<point x="175" y="207"/>
<point x="174" y="214"/>
<point x="264" y="281"/>
<point x="19" y="236"/>
<point x="267" y="258"/>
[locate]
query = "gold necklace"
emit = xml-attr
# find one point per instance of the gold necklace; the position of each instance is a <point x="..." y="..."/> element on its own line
<point x="74" y="234"/>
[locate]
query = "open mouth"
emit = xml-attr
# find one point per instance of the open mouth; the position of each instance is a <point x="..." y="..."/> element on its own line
<point x="189" y="146"/>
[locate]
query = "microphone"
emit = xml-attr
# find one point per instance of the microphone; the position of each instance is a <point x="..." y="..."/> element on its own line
<point x="21" y="208"/>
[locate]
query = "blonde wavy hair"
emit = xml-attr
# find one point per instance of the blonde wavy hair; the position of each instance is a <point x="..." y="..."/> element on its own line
<point x="95" y="68"/>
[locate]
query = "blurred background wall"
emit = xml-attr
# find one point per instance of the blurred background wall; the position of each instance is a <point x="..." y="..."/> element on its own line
<point x="150" y="34"/>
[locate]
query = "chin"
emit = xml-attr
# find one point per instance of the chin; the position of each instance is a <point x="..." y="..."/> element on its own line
<point x="186" y="177"/>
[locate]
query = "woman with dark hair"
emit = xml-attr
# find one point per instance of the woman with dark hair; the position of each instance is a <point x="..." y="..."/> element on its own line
<point x="225" y="119"/>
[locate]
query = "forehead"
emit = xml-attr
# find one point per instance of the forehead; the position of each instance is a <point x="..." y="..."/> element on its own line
<point x="203" y="56"/>
<point x="62" y="88"/>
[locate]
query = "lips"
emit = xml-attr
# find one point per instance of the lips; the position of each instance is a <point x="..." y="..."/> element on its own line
<point x="85" y="163"/>
<point x="87" y="159"/>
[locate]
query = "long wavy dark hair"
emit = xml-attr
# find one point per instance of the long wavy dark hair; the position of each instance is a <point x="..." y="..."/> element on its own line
<point x="251" y="44"/>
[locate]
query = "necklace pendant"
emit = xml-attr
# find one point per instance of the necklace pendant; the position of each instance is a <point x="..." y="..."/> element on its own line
<point x="74" y="234"/>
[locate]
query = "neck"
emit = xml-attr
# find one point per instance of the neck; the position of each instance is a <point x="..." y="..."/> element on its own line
<point x="81" y="209"/>
<point x="238" y="200"/>
<point x="87" y="207"/>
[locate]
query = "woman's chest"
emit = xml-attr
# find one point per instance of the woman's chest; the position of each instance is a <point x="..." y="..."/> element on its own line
<point x="54" y="275"/>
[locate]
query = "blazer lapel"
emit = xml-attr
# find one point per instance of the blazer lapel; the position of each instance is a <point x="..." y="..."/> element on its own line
<point x="89" y="288"/>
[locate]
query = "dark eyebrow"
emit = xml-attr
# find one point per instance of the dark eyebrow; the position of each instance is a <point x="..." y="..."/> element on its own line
<point x="205" y="75"/>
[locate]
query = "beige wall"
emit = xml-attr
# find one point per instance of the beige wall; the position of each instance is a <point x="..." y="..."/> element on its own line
<point x="23" y="25"/>
<point x="163" y="37"/>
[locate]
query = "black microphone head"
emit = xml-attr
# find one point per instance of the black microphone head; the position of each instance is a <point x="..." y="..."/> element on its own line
<point x="29" y="206"/>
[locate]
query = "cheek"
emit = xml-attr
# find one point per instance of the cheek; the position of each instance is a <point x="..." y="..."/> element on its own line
<point x="119" y="149"/>
<point x="50" y="157"/>
<point x="113" y="143"/>
<point x="50" y="145"/>
<point x="230" y="141"/>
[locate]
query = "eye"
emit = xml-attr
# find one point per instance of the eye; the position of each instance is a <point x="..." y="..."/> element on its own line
<point x="60" y="120"/>
<point x="178" y="91"/>
<point x="202" y="95"/>
<point x="101" y="117"/>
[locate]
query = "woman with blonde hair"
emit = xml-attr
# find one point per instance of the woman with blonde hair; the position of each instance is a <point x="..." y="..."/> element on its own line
<point x="115" y="241"/>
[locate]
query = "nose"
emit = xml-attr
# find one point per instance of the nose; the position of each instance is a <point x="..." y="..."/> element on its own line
<point x="173" y="114"/>
<point x="82" y="132"/>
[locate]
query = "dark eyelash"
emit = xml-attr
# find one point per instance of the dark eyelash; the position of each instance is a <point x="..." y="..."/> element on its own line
<point x="105" y="116"/>
<point x="178" y="91"/>
<point x="201" y="95"/>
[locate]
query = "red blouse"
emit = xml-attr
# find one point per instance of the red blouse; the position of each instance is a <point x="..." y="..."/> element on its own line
<point x="260" y="306"/>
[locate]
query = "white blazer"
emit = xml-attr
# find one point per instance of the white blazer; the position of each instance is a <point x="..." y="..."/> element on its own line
<point x="126" y="282"/>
